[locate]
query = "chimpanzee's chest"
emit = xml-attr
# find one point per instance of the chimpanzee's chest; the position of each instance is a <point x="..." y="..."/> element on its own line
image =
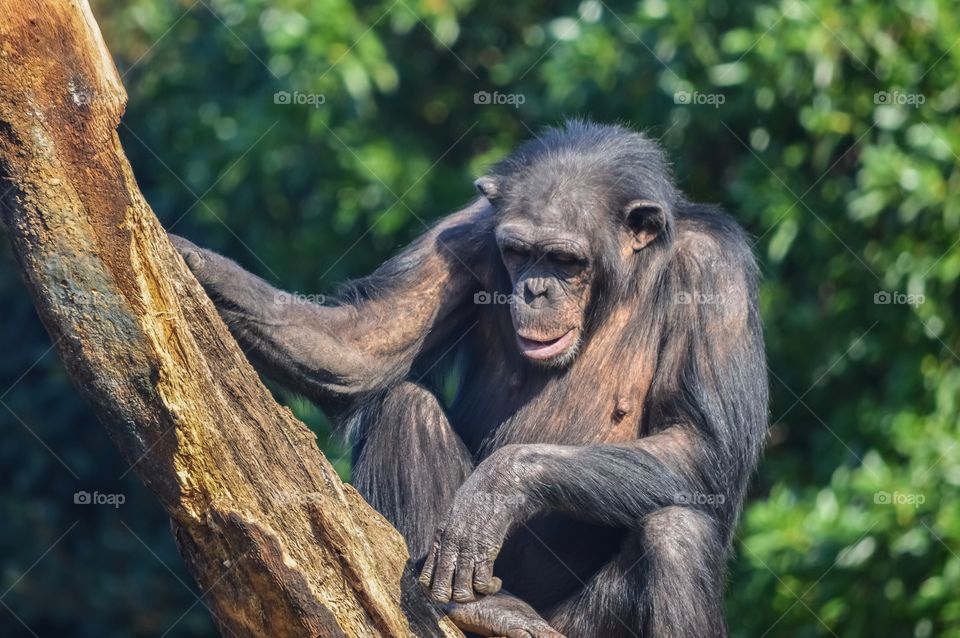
<point x="589" y="403"/>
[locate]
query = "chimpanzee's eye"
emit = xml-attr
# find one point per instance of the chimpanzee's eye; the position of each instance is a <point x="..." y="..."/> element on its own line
<point x="568" y="261"/>
<point x="515" y="254"/>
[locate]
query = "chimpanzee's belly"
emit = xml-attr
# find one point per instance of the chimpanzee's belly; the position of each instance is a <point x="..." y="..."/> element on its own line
<point x="551" y="558"/>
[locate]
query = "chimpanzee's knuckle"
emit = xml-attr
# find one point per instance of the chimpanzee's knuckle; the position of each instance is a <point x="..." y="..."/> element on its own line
<point x="426" y="575"/>
<point x="440" y="593"/>
<point x="194" y="260"/>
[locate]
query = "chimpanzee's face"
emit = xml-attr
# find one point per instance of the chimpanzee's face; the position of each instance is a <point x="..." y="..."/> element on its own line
<point x="555" y="244"/>
<point x="550" y="268"/>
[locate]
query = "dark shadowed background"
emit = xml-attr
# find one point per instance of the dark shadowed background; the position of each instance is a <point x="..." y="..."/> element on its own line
<point x="310" y="139"/>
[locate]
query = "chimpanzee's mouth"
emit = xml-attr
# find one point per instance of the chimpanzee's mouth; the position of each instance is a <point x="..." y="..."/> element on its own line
<point x="542" y="350"/>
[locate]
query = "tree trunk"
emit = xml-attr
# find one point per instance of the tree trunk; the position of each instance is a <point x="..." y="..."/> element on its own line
<point x="278" y="545"/>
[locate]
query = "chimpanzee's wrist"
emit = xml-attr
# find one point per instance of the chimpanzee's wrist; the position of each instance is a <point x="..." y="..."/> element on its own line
<point x="520" y="478"/>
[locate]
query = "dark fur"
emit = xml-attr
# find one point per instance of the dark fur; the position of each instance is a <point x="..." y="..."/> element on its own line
<point x="606" y="545"/>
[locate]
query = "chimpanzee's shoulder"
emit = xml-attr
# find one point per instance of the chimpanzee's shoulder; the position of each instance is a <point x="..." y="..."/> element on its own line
<point x="706" y="231"/>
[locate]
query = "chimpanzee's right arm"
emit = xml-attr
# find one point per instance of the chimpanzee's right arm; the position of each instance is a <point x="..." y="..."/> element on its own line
<point x="368" y="339"/>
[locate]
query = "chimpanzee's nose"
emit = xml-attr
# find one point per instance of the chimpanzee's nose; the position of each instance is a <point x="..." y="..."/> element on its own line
<point x="535" y="288"/>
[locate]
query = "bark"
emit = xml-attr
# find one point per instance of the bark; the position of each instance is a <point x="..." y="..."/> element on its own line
<point x="277" y="543"/>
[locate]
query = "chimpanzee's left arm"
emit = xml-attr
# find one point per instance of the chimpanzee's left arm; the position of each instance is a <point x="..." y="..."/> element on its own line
<point x="707" y="408"/>
<point x="614" y="484"/>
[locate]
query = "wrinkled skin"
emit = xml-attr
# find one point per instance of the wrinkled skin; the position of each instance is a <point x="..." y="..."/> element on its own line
<point x="501" y="615"/>
<point x="550" y="275"/>
<point x="459" y="567"/>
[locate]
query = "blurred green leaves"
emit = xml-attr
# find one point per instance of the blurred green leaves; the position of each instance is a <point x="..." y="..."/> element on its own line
<point x="836" y="145"/>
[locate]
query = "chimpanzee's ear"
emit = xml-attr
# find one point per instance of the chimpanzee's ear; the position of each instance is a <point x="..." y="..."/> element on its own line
<point x="645" y="221"/>
<point x="487" y="186"/>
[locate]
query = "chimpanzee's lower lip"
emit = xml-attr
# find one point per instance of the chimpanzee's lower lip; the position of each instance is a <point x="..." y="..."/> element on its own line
<point x="541" y="350"/>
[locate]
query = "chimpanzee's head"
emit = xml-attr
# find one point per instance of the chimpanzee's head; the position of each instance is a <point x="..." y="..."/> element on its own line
<point x="576" y="209"/>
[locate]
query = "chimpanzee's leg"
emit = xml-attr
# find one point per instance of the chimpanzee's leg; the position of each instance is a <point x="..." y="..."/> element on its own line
<point x="409" y="465"/>
<point x="667" y="581"/>
<point x="409" y="462"/>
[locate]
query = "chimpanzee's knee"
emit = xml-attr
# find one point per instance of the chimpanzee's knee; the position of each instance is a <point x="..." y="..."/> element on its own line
<point x="684" y="565"/>
<point x="665" y="581"/>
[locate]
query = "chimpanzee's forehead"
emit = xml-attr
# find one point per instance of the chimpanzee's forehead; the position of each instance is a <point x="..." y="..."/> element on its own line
<point x="591" y="165"/>
<point x="566" y="191"/>
<point x="574" y="210"/>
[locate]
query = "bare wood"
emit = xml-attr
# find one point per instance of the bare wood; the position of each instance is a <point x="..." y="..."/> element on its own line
<point x="278" y="544"/>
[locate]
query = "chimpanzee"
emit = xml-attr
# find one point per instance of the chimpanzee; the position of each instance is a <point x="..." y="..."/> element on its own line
<point x="566" y="377"/>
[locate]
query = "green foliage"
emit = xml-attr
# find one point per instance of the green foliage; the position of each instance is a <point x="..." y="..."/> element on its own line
<point x="829" y="130"/>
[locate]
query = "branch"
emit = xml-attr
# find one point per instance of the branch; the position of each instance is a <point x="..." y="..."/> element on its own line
<point x="278" y="545"/>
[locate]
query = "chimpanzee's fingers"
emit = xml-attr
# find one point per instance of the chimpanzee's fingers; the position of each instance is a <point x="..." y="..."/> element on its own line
<point x="443" y="574"/>
<point x="541" y="630"/>
<point x="182" y="243"/>
<point x="533" y="633"/>
<point x="484" y="582"/>
<point x="190" y="252"/>
<point x="426" y="574"/>
<point x="463" y="581"/>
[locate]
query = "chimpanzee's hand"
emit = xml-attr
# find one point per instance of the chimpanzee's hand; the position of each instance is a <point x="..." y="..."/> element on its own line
<point x="191" y="253"/>
<point x="236" y="292"/>
<point x="500" y="615"/>
<point x="459" y="566"/>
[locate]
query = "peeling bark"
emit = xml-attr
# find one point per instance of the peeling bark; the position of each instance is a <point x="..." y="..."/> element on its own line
<point x="279" y="545"/>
